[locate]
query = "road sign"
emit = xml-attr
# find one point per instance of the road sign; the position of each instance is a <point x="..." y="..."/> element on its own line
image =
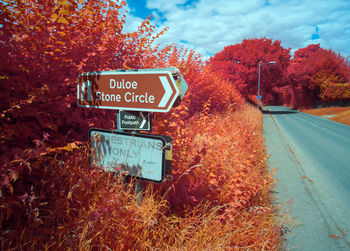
<point x="133" y="90"/>
<point x="144" y="156"/>
<point x="179" y="79"/>
<point x="259" y="97"/>
<point x="137" y="121"/>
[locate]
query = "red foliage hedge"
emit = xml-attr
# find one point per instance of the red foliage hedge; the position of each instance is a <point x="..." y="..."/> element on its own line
<point x="312" y="75"/>
<point x="50" y="198"/>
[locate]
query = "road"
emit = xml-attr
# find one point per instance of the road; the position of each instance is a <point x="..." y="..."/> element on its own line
<point x="312" y="157"/>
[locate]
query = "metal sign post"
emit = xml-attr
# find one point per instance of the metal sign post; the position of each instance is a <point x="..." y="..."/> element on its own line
<point x="135" y="94"/>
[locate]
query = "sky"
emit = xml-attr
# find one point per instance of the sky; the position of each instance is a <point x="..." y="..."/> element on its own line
<point x="207" y="26"/>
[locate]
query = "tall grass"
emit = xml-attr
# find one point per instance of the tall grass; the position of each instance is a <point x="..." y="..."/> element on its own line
<point x="53" y="200"/>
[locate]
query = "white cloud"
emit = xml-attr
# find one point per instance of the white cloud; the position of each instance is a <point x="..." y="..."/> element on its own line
<point x="208" y="26"/>
<point x="162" y="5"/>
<point x="132" y="22"/>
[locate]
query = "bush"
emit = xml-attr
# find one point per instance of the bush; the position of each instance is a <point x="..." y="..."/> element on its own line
<point x="218" y="199"/>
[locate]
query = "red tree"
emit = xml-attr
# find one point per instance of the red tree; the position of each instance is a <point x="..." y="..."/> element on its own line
<point x="240" y="62"/>
<point x="317" y="74"/>
<point x="44" y="45"/>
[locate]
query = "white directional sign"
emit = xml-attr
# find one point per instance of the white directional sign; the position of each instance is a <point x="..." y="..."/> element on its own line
<point x="139" y="155"/>
<point x="140" y="90"/>
<point x="175" y="72"/>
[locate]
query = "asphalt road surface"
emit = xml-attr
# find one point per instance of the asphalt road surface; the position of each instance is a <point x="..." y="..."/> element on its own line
<point x="312" y="157"/>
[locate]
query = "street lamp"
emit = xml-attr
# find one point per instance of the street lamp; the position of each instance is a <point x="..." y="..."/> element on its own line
<point x="258" y="97"/>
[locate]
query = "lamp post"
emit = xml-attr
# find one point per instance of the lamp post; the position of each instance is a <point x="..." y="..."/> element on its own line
<point x="258" y="97"/>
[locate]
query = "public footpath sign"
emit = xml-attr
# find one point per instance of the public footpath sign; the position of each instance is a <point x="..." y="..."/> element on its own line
<point x="144" y="156"/>
<point x="135" y="121"/>
<point x="151" y="90"/>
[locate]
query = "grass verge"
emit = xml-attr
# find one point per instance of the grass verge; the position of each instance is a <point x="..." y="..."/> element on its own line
<point x="219" y="198"/>
<point x="338" y="114"/>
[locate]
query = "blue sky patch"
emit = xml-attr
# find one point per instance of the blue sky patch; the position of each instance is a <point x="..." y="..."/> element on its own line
<point x="208" y="26"/>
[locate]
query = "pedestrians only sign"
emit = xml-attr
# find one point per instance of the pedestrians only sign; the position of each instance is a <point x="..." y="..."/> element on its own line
<point x="145" y="156"/>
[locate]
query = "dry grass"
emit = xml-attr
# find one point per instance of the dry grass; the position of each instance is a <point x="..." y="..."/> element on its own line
<point x="48" y="204"/>
<point x="327" y="111"/>
<point x="340" y="114"/>
<point x="343" y="117"/>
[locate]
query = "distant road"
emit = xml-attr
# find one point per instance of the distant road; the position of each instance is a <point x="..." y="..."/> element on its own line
<point x="312" y="155"/>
